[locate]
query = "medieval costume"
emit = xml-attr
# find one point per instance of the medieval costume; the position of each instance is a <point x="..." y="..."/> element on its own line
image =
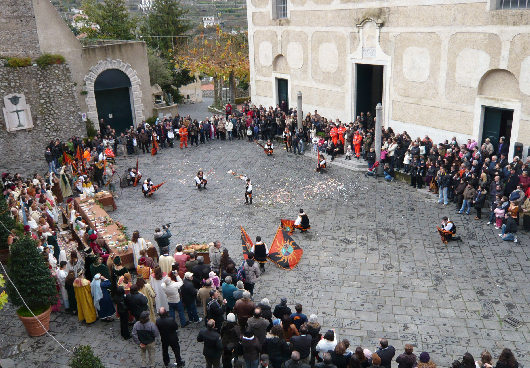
<point x="269" y="148"/>
<point x="248" y="190"/>
<point x="321" y="163"/>
<point x="200" y="180"/>
<point x="149" y="293"/>
<point x="447" y="231"/>
<point x="146" y="187"/>
<point x="85" y="305"/>
<point x="101" y="296"/>
<point x="302" y="221"/>
<point x="261" y="252"/>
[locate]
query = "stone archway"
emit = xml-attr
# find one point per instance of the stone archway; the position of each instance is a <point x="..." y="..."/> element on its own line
<point x="136" y="91"/>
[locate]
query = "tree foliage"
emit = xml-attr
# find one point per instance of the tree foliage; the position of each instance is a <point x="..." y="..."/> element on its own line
<point x="224" y="56"/>
<point x="159" y="70"/>
<point x="30" y="273"/>
<point x="7" y="221"/>
<point x="219" y="57"/>
<point x="84" y="358"/>
<point x="163" y="23"/>
<point x="112" y="18"/>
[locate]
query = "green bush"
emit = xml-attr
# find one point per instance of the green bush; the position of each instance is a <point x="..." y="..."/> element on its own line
<point x="49" y="59"/>
<point x="151" y="120"/>
<point x="30" y="274"/>
<point x="91" y="132"/>
<point x="18" y="62"/>
<point x="240" y="100"/>
<point x="84" y="358"/>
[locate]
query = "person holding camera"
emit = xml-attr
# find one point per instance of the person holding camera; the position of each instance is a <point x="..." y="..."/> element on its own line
<point x="162" y="237"/>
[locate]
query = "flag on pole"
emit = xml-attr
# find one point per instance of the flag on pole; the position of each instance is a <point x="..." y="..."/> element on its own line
<point x="246" y="243"/>
<point x="137" y="176"/>
<point x="287" y="225"/>
<point x="284" y="250"/>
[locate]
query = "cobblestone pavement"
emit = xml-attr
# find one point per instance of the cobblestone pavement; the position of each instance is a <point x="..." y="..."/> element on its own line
<point x="373" y="264"/>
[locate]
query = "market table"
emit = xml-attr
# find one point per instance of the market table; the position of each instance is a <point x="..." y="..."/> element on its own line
<point x="107" y="200"/>
<point x="98" y="220"/>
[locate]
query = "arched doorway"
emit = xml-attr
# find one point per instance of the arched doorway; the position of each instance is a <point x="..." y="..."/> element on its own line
<point x="498" y="109"/>
<point x="112" y="89"/>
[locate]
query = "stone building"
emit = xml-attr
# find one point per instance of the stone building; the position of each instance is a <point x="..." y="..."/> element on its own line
<point x="108" y="80"/>
<point x="443" y="68"/>
<point x="111" y="77"/>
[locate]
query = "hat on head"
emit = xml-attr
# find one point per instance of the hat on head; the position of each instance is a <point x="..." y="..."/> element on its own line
<point x="26" y="228"/>
<point x="231" y="317"/>
<point x="93" y="237"/>
<point x="313" y="318"/>
<point x="367" y="353"/>
<point x="425" y="357"/>
<point x="188" y="275"/>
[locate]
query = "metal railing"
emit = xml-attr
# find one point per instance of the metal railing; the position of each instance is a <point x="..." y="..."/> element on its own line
<point x="281" y="9"/>
<point x="514" y="4"/>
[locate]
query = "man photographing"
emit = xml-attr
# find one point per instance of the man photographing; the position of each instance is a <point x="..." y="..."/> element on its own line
<point x="162" y="237"/>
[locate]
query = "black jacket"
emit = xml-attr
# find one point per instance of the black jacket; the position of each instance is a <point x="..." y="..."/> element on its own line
<point x="136" y="303"/>
<point x="213" y="348"/>
<point x="386" y="355"/>
<point x="301" y="344"/>
<point x="188" y="292"/>
<point x="215" y="311"/>
<point x="281" y="310"/>
<point x="200" y="272"/>
<point x="277" y="349"/>
<point x="168" y="329"/>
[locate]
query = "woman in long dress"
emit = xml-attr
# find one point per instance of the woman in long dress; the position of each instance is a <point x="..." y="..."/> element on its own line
<point x="138" y="243"/>
<point x="156" y="283"/>
<point x="149" y="293"/>
<point x="85" y="305"/>
<point x="101" y="296"/>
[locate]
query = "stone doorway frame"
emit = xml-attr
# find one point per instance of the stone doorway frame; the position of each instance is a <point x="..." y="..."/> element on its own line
<point x="137" y="107"/>
<point x="481" y="102"/>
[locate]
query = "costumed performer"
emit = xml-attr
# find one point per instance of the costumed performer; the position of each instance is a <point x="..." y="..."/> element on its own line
<point x="302" y="221"/>
<point x="200" y="180"/>
<point x="261" y="251"/>
<point x="447" y="231"/>
<point x="269" y="148"/>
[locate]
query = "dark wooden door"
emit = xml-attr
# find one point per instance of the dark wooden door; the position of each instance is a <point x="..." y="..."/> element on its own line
<point x="283" y="91"/>
<point x="114" y="106"/>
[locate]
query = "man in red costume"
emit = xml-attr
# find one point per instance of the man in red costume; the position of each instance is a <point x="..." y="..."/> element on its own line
<point x="183" y="134"/>
<point x="357" y="140"/>
<point x="334" y="133"/>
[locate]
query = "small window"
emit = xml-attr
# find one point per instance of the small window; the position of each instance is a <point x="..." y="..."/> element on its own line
<point x="513" y="4"/>
<point x="280" y="9"/>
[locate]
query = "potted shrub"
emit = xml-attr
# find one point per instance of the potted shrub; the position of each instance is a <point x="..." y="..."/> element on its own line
<point x="30" y="274"/>
<point x="84" y="358"/>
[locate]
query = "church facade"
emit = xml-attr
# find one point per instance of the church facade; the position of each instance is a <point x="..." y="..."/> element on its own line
<point x="443" y="68"/>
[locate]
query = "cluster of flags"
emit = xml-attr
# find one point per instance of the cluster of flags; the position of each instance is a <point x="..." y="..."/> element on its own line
<point x="284" y="251"/>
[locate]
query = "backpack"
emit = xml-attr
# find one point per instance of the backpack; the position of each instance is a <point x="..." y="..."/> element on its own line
<point x="241" y="276"/>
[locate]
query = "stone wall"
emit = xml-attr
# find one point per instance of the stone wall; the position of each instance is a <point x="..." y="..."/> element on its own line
<point x="18" y="30"/>
<point x="51" y="95"/>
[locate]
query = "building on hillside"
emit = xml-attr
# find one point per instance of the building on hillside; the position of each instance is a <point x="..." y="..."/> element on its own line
<point x="209" y="21"/>
<point x="443" y="68"/>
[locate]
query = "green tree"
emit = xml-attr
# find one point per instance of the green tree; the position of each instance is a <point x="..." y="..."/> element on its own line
<point x="31" y="276"/>
<point x="159" y="70"/>
<point x="7" y="221"/>
<point x="163" y="24"/>
<point x="112" y="18"/>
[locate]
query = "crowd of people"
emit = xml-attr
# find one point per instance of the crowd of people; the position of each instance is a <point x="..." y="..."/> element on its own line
<point x="93" y="284"/>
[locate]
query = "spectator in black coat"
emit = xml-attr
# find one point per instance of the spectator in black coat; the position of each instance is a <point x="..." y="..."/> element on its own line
<point x="213" y="347"/>
<point x="386" y="353"/>
<point x="276" y="347"/>
<point x="189" y="297"/>
<point x="302" y="344"/>
<point x="168" y="334"/>
<point x="281" y="310"/>
<point x="200" y="272"/>
<point x="136" y="302"/>
<point x="251" y="348"/>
